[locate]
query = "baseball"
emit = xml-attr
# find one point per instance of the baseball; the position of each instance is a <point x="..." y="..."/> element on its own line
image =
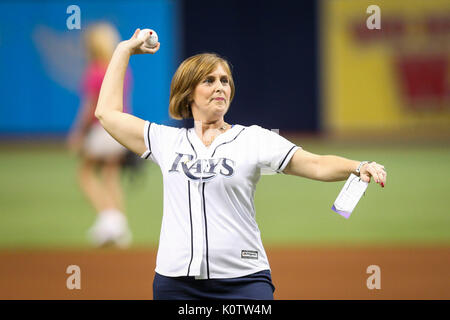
<point x="152" y="41"/>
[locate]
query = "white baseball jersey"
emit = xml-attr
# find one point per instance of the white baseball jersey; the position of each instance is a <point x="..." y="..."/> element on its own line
<point x="208" y="226"/>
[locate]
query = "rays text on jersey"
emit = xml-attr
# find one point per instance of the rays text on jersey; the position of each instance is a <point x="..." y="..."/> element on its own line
<point x="204" y="169"/>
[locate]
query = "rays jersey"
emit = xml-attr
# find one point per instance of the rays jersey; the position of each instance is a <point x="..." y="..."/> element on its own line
<point x="208" y="227"/>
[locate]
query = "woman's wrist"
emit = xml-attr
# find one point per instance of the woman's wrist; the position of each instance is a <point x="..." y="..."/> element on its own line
<point x="360" y="166"/>
<point x="123" y="48"/>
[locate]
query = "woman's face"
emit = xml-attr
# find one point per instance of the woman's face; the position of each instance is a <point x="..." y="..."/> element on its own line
<point x="211" y="97"/>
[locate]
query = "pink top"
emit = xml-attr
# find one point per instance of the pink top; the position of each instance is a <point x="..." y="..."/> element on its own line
<point x="92" y="83"/>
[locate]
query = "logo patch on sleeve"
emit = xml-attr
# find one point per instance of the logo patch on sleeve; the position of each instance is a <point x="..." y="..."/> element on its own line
<point x="248" y="254"/>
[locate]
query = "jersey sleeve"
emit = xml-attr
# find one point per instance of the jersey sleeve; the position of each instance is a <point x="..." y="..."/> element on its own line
<point x="157" y="139"/>
<point x="274" y="151"/>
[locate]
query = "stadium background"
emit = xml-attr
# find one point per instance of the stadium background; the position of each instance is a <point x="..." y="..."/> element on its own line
<point x="310" y="69"/>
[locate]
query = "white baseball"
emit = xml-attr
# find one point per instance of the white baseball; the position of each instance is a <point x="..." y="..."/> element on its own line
<point x="152" y="41"/>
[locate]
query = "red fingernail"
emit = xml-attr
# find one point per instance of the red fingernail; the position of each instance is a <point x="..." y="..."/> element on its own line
<point x="382" y="184"/>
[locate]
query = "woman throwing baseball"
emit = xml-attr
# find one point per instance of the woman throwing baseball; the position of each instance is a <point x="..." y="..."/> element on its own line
<point x="210" y="245"/>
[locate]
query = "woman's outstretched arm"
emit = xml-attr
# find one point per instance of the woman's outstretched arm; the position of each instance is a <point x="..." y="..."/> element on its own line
<point x="332" y="168"/>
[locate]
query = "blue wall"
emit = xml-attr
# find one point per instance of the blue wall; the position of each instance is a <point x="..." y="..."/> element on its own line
<point x="272" y="46"/>
<point x="41" y="61"/>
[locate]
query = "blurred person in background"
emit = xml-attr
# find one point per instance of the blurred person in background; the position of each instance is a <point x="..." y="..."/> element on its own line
<point x="101" y="157"/>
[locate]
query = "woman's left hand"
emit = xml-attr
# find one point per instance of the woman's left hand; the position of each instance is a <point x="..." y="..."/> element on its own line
<point x="375" y="170"/>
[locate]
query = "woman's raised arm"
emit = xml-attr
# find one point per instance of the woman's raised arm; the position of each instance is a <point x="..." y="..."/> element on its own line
<point x="125" y="128"/>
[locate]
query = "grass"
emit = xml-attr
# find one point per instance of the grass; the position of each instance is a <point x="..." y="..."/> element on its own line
<point x="42" y="206"/>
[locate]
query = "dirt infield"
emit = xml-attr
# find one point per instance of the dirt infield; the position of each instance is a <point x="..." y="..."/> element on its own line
<point x="298" y="273"/>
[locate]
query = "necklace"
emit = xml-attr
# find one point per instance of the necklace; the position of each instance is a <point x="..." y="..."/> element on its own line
<point x="209" y="141"/>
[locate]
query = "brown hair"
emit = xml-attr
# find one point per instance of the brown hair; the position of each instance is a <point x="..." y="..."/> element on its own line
<point x="191" y="71"/>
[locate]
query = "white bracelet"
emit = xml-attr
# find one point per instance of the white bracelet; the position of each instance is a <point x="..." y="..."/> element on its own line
<point x="360" y="166"/>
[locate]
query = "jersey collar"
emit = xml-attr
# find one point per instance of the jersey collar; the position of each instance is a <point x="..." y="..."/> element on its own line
<point x="203" y="150"/>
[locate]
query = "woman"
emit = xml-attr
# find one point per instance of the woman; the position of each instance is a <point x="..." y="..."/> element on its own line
<point x="210" y="245"/>
<point x="101" y="156"/>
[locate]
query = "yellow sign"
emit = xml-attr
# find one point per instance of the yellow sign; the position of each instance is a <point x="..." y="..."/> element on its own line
<point x="395" y="79"/>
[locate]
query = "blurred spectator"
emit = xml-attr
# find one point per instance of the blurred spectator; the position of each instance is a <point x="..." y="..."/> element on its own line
<point x="100" y="155"/>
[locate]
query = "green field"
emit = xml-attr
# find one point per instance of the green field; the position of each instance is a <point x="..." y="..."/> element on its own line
<point x="42" y="206"/>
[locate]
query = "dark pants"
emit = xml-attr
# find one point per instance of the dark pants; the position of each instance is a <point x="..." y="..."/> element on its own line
<point x="256" y="286"/>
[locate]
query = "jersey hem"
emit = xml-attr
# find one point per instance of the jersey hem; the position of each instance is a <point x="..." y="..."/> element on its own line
<point x="212" y="277"/>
